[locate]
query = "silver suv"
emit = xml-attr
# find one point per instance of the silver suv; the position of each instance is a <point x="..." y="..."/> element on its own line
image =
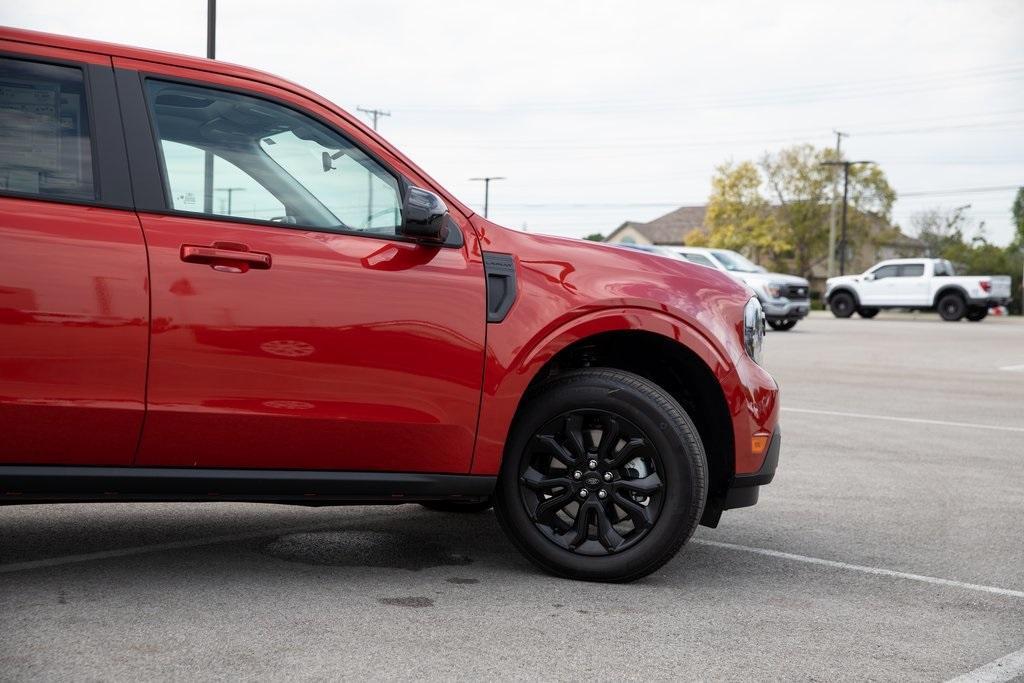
<point x="785" y="298"/>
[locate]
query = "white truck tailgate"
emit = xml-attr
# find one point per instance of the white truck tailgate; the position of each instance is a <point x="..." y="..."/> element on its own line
<point x="1000" y="286"/>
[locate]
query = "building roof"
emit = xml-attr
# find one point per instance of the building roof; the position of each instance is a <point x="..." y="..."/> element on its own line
<point x="671" y="228"/>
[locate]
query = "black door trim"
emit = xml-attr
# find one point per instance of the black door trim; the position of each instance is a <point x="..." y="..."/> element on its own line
<point x="57" y="483"/>
<point x="143" y="158"/>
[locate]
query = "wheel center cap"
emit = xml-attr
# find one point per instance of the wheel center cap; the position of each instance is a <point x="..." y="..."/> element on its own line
<point x="592" y="479"/>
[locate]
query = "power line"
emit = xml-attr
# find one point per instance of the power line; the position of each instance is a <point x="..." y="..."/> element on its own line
<point x="993" y="74"/>
<point x="963" y="190"/>
<point x="645" y="146"/>
<point x="679" y="203"/>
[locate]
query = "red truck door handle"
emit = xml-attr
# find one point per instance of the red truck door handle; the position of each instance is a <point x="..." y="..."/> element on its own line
<point x="226" y="257"/>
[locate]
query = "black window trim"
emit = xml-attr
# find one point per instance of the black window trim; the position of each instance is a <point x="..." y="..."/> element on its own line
<point x="110" y="176"/>
<point x="148" y="172"/>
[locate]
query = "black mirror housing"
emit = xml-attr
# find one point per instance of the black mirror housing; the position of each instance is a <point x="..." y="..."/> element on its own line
<point x="424" y="216"/>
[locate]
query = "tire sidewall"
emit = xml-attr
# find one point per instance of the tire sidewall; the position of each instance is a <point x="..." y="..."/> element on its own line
<point x="952" y="315"/>
<point x="682" y="459"/>
<point x="839" y="311"/>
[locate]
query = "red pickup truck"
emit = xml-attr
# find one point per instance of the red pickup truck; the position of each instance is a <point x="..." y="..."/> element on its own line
<point x="216" y="285"/>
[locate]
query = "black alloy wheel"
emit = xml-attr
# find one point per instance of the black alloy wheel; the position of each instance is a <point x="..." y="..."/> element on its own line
<point x="604" y="476"/>
<point x="842" y="305"/>
<point x="952" y="307"/>
<point x="977" y="313"/>
<point x="591" y="482"/>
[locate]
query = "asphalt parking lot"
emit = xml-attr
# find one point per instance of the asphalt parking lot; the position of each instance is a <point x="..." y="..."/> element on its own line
<point x="890" y="546"/>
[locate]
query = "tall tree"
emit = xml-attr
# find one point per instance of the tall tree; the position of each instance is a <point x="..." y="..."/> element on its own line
<point x="738" y="216"/>
<point x="1018" y="218"/>
<point x="801" y="187"/>
<point x="778" y="208"/>
<point x="940" y="229"/>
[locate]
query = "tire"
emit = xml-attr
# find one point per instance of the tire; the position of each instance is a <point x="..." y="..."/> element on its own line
<point x="952" y="307"/>
<point x="867" y="312"/>
<point x="464" y="507"/>
<point x="976" y="313"/>
<point x="842" y="305"/>
<point x="782" y="325"/>
<point x="652" y="472"/>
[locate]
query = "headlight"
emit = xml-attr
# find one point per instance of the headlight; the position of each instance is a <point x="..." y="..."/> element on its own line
<point x="753" y="329"/>
<point x="773" y="289"/>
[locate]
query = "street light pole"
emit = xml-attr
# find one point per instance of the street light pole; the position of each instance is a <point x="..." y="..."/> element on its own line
<point x="832" y="209"/>
<point x="211" y="53"/>
<point x="846" y="187"/>
<point x="211" y="29"/>
<point x="231" y="191"/>
<point x="487" y="190"/>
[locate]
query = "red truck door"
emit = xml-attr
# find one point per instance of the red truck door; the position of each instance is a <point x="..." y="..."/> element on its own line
<point x="74" y="301"/>
<point x="292" y="327"/>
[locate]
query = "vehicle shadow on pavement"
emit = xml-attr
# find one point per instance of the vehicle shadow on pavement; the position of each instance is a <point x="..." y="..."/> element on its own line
<point x="341" y="541"/>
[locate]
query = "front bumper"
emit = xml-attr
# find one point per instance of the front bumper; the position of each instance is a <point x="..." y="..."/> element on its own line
<point x="786" y="309"/>
<point x="745" y="488"/>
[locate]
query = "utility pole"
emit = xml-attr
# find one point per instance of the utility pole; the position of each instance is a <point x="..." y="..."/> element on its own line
<point x="832" y="210"/>
<point x="846" y="187"/>
<point x="230" y="191"/>
<point x="487" y="189"/>
<point x="374" y="114"/>
<point x="211" y="53"/>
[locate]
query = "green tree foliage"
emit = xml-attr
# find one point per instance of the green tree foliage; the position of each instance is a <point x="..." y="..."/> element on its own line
<point x="778" y="209"/>
<point x="1018" y="218"/>
<point x="595" y="237"/>
<point x="939" y="229"/>
<point x="944" y="232"/>
<point x="738" y="216"/>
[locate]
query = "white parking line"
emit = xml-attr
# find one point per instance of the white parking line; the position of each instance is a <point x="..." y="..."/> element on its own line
<point x="1013" y="368"/>
<point x="915" y="420"/>
<point x="862" y="568"/>
<point x="1003" y="669"/>
<point x="142" y="549"/>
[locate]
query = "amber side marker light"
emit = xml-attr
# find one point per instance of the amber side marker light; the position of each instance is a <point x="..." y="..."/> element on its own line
<point x="758" y="443"/>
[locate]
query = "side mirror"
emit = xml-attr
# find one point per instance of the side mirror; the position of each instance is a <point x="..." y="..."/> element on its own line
<point x="424" y="216"/>
<point x="869" y="277"/>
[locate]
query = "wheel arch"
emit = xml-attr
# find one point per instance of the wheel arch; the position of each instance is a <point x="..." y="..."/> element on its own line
<point x="847" y="289"/>
<point x="950" y="289"/>
<point x="650" y="344"/>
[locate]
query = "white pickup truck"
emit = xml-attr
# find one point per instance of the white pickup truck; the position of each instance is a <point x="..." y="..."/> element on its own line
<point x="930" y="284"/>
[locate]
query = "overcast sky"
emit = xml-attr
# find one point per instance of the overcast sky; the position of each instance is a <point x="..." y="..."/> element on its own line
<point x="600" y="112"/>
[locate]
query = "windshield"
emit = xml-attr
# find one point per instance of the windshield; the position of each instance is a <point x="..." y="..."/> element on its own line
<point x="735" y="262"/>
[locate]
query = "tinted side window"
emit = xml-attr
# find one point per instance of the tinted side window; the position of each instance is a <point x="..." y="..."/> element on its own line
<point x="45" y="147"/>
<point x="699" y="260"/>
<point x="886" y="271"/>
<point x="912" y="270"/>
<point x="269" y="162"/>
